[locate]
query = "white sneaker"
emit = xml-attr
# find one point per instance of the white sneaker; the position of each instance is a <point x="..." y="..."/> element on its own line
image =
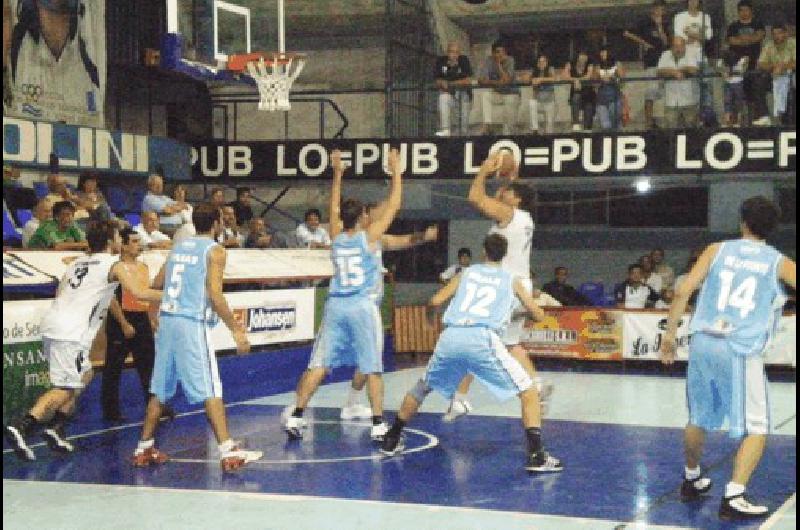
<point x="286" y="413"/>
<point x="238" y="457"/>
<point x="294" y="427"/>
<point x="379" y="431"/>
<point x="458" y="408"/>
<point x="763" y="121"/>
<point x="740" y="507"/>
<point x="356" y="412"/>
<point x="443" y="132"/>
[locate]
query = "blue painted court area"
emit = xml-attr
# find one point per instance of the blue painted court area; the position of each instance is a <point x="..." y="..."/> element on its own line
<point x="618" y="474"/>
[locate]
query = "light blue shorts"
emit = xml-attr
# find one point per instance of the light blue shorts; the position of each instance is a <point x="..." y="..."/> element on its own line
<point x="479" y="351"/>
<point x="723" y="386"/>
<point x="351" y="335"/>
<point x="184" y="353"/>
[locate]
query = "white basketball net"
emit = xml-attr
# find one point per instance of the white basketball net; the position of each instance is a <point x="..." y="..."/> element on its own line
<point x="274" y="81"/>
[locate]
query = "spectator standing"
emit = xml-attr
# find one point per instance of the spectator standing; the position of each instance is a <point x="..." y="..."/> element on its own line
<point x="43" y="211"/>
<point x="633" y="293"/>
<point x="653" y="36"/>
<point x="609" y="96"/>
<point x="217" y="197"/>
<point x="60" y="232"/>
<point x="453" y="79"/>
<point x="464" y="261"/>
<point x="167" y="208"/>
<point x="735" y="98"/>
<point x="543" y="103"/>
<point x="582" y="95"/>
<point x="695" y="27"/>
<point x="150" y="235"/>
<point x="310" y="234"/>
<point x="241" y="206"/>
<point x="661" y="268"/>
<point x="499" y="74"/>
<point x="778" y="58"/>
<point x="680" y="106"/>
<point x="230" y="236"/>
<point x="745" y="37"/>
<point x="566" y="294"/>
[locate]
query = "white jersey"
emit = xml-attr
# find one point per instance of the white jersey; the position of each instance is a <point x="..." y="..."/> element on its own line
<point x="519" y="234"/>
<point x="82" y="300"/>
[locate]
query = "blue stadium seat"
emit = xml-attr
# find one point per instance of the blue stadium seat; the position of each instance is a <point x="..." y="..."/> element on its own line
<point x="10" y="234"/>
<point x="118" y="200"/>
<point x="133" y="218"/>
<point x="23" y="216"/>
<point x="41" y="189"/>
<point x="594" y="292"/>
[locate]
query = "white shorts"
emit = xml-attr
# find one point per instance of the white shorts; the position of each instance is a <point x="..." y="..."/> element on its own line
<point x="513" y="333"/>
<point x="69" y="362"/>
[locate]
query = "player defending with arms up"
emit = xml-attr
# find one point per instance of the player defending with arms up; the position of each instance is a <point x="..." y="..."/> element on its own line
<point x="484" y="298"/>
<point x="352" y="332"/>
<point x="736" y="314"/>
<point x="192" y="304"/>
<point x="68" y="330"/>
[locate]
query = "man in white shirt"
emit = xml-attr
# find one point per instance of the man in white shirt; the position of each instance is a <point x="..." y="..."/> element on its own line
<point x="681" y="99"/>
<point x="634" y="293"/>
<point x="649" y="275"/>
<point x="168" y="209"/>
<point x="694" y="26"/>
<point x="151" y="237"/>
<point x="42" y="212"/>
<point x="310" y="234"/>
<point x="666" y="272"/>
<point x="230" y="236"/>
<point x="464" y="261"/>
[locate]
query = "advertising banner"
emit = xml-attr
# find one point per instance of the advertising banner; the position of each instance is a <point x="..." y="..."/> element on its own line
<point x="25" y="368"/>
<point x="643" y="332"/>
<point x="594" y="334"/>
<point x="742" y="151"/>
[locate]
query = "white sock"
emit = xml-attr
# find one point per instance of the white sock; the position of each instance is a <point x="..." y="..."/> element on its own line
<point x="226" y="446"/>
<point x="143" y="445"/>
<point x="353" y="397"/>
<point x="692" y="474"/>
<point x="733" y="489"/>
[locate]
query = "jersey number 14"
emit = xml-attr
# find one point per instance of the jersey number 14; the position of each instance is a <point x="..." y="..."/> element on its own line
<point x="741" y="298"/>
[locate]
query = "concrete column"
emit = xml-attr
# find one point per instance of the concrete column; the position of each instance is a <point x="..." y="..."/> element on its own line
<point x="725" y="199"/>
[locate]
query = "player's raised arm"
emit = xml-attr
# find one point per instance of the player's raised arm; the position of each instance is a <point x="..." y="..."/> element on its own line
<point x="527" y="301"/>
<point x="402" y="242"/>
<point x="128" y="282"/>
<point x="392" y="204"/>
<point x="787" y="272"/>
<point x="336" y="193"/>
<point x="217" y="257"/>
<point x="693" y="281"/>
<point x="489" y="206"/>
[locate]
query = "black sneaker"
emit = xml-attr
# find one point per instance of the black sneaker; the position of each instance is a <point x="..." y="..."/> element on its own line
<point x="739" y="507"/>
<point x="57" y="440"/>
<point x="692" y="490"/>
<point x="15" y="434"/>
<point x="543" y="462"/>
<point x="393" y="443"/>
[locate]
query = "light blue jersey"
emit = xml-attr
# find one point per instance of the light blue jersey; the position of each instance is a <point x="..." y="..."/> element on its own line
<point x="356" y="267"/>
<point x="741" y="298"/>
<point x="185" y="291"/>
<point x="485" y="298"/>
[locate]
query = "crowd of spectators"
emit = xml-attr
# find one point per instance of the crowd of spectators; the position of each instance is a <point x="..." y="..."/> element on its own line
<point x="678" y="65"/>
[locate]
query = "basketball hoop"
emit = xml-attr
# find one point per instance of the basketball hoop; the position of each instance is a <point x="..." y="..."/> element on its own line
<point x="274" y="74"/>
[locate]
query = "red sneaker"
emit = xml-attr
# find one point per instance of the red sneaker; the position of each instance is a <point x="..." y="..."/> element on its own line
<point x="237" y="457"/>
<point x="149" y="456"/>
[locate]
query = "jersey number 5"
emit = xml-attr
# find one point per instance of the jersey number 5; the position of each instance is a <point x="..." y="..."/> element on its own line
<point x="176" y="280"/>
<point x="741" y="298"/>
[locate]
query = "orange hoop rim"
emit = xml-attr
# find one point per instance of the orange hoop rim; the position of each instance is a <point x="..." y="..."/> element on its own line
<point x="238" y="62"/>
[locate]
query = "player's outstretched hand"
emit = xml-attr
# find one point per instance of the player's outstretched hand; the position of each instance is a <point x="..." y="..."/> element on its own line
<point x="336" y="162"/>
<point x="492" y="163"/>
<point x="394" y="162"/>
<point x="242" y="344"/>
<point x="668" y="347"/>
<point x="431" y="234"/>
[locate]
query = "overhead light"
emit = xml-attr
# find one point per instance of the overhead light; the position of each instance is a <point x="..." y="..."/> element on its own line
<point x="643" y="185"/>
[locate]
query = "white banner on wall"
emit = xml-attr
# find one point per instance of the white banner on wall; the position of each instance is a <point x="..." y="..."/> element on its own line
<point x="270" y="317"/>
<point x="642" y="334"/>
<point x="242" y="264"/>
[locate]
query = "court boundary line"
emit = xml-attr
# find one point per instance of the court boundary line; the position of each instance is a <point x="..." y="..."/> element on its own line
<point x="776" y="517"/>
<point x="277" y="497"/>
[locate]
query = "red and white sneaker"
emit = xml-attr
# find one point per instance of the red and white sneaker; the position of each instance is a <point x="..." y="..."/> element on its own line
<point x="150" y="456"/>
<point x="237" y="458"/>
